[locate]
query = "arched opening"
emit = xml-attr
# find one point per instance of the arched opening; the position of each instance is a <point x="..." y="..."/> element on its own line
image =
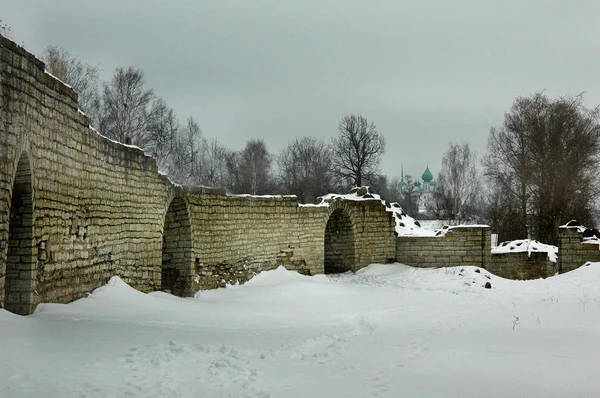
<point x="339" y="243"/>
<point x="21" y="259"/>
<point x="177" y="266"/>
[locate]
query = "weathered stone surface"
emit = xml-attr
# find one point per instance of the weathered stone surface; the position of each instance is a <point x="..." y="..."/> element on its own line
<point x="459" y="246"/>
<point x="522" y="265"/>
<point x="573" y="253"/>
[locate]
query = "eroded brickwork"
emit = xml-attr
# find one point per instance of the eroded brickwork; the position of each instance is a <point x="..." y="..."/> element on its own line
<point x="522" y="265"/>
<point x="573" y="252"/>
<point x="236" y="237"/>
<point x="98" y="206"/>
<point x="468" y="245"/>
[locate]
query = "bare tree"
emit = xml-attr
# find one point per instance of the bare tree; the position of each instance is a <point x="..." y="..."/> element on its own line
<point x="192" y="135"/>
<point x="458" y="185"/>
<point x="250" y="170"/>
<point x="126" y="107"/>
<point x="305" y="169"/>
<point x="83" y="77"/>
<point x="357" y="150"/>
<point x="215" y="166"/>
<point x="409" y="201"/>
<point x="380" y="185"/>
<point x="394" y="190"/>
<point x="509" y="162"/>
<point x="163" y="131"/>
<point x="545" y="158"/>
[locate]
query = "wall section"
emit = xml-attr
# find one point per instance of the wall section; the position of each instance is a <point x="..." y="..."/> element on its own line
<point x="522" y="265"/>
<point x="573" y="251"/>
<point x="99" y="206"/>
<point x="236" y="237"/>
<point x="461" y="245"/>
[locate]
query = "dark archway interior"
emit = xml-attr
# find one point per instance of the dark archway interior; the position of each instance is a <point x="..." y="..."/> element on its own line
<point x="339" y="243"/>
<point x="20" y="262"/>
<point x="177" y="249"/>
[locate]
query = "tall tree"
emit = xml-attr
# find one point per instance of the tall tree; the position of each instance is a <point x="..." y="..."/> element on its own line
<point x="163" y="131"/>
<point x="215" y="166"/>
<point x="394" y="190"/>
<point x="545" y="158"/>
<point x="458" y="185"/>
<point x="126" y="107"/>
<point x="194" y="148"/>
<point x="409" y="201"/>
<point x="83" y="77"/>
<point x="250" y="169"/>
<point x="305" y="168"/>
<point x="509" y="161"/>
<point x="357" y="150"/>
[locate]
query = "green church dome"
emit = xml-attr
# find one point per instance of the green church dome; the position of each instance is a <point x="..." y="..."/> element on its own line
<point x="427" y="176"/>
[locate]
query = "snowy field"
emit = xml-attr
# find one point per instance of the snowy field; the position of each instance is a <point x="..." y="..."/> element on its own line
<point x="387" y="331"/>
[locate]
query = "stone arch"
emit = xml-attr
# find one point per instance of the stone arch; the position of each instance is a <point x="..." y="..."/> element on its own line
<point x="340" y="240"/>
<point x="177" y="265"/>
<point x="21" y="258"/>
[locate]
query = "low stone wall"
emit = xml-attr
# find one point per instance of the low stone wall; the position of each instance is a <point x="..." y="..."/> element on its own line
<point x="573" y="252"/>
<point x="462" y="245"/>
<point x="521" y="265"/>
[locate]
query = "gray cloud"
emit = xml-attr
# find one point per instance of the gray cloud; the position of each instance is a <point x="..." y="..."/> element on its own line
<point x="425" y="72"/>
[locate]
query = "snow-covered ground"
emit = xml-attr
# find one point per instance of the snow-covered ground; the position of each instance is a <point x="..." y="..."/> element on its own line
<point x="387" y="331"/>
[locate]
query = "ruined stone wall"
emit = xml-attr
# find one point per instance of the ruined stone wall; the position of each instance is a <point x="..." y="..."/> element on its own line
<point x="235" y="237"/>
<point x="463" y="245"/>
<point x="374" y="231"/>
<point x="521" y="265"/>
<point x="573" y="253"/>
<point x="98" y="206"/>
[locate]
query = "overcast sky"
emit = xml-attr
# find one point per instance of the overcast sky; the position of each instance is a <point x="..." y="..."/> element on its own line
<point x="425" y="72"/>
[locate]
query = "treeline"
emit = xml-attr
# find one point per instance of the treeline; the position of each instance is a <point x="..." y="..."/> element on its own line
<point x="539" y="172"/>
<point x="126" y="110"/>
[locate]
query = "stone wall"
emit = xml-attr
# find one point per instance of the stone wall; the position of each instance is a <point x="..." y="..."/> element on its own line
<point x="462" y="245"/>
<point x="81" y="208"/>
<point x="521" y="265"/>
<point x="573" y="252"/>
<point x="235" y="237"/>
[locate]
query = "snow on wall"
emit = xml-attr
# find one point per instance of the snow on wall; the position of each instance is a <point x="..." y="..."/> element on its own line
<point x="577" y="246"/>
<point x="454" y="246"/>
<point x="405" y="225"/>
<point x="527" y="246"/>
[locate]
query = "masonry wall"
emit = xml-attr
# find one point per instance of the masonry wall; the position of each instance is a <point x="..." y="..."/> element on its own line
<point x="98" y="206"/>
<point x="236" y="237"/>
<point x="573" y="252"/>
<point x="374" y="231"/>
<point x="460" y="246"/>
<point x="522" y="265"/>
